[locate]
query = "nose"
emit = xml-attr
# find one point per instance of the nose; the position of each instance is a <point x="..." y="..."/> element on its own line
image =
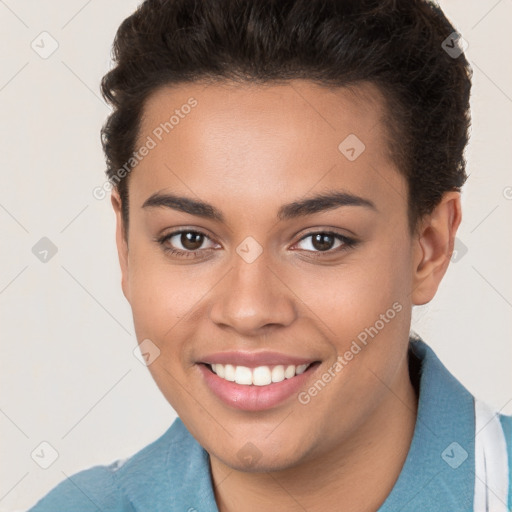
<point x="252" y="298"/>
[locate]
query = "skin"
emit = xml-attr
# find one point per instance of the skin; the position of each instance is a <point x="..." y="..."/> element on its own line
<point x="247" y="150"/>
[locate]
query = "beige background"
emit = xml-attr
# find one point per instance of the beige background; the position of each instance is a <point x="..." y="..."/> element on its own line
<point x="68" y="374"/>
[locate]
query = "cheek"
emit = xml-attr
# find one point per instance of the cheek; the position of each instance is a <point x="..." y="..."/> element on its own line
<point x="349" y="297"/>
<point x="363" y="310"/>
<point x="161" y="294"/>
<point x="161" y="298"/>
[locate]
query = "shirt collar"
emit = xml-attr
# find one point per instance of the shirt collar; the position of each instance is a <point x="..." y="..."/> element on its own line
<point x="438" y="473"/>
<point x="172" y="471"/>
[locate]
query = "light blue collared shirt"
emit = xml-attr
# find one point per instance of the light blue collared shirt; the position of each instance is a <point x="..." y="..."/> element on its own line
<point x="173" y="473"/>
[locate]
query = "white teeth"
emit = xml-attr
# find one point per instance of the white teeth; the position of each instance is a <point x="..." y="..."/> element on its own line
<point x="289" y="372"/>
<point x="243" y="375"/>
<point x="219" y="370"/>
<point x="260" y="376"/>
<point x="229" y="372"/>
<point x="301" y="369"/>
<point x="278" y="373"/>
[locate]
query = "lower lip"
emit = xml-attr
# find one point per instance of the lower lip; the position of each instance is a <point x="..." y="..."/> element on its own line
<point x="255" y="398"/>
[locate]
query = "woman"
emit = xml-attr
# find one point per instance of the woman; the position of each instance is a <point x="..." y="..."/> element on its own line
<point x="286" y="183"/>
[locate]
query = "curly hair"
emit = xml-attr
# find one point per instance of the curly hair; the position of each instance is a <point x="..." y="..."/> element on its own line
<point x="395" y="44"/>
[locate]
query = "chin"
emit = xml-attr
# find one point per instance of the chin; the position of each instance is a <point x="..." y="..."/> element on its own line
<point x="264" y="464"/>
<point x="260" y="457"/>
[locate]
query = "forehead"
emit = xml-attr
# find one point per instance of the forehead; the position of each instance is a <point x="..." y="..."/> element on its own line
<point x="261" y="140"/>
<point x="296" y="109"/>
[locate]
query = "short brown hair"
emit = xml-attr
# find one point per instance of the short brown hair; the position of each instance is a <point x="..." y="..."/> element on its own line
<point x="395" y="44"/>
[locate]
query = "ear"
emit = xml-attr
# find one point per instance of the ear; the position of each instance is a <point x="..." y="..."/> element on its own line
<point x="121" y="242"/>
<point x="433" y="247"/>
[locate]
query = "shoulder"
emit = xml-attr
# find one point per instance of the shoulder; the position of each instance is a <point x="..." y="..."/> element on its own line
<point x="88" y="490"/>
<point x="108" y="487"/>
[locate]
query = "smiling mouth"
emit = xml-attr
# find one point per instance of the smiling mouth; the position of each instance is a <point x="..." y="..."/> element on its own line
<point x="259" y="376"/>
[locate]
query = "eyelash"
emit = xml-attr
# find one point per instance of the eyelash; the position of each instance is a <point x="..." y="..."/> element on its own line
<point x="348" y="243"/>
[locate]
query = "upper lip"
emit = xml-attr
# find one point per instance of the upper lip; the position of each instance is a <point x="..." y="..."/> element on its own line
<point x="255" y="359"/>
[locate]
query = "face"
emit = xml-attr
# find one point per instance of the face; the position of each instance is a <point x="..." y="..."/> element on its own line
<point x="232" y="259"/>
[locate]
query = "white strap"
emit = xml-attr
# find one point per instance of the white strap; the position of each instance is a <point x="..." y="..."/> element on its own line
<point x="491" y="461"/>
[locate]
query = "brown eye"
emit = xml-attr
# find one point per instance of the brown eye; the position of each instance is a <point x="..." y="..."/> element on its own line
<point x="185" y="243"/>
<point x="191" y="241"/>
<point x="325" y="242"/>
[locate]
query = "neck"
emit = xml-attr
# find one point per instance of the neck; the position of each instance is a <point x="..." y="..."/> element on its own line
<point x="358" y="475"/>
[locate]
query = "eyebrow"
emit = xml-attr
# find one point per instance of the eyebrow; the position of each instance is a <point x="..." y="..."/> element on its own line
<point x="300" y="208"/>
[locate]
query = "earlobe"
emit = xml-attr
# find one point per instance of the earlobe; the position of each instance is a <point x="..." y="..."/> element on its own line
<point x="121" y="242"/>
<point x="434" y="246"/>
